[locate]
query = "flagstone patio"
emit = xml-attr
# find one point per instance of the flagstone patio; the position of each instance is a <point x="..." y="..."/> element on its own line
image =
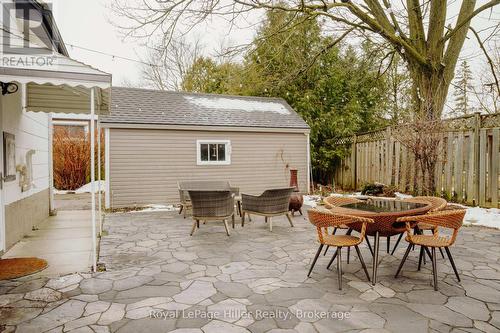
<point x="253" y="281"/>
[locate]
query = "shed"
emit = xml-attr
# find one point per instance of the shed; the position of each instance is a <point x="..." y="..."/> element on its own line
<point x="153" y="139"/>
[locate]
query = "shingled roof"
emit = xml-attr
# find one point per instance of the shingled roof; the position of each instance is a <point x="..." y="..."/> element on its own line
<point x="143" y="106"/>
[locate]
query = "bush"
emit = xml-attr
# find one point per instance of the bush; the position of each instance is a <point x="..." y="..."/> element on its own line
<point x="71" y="156"/>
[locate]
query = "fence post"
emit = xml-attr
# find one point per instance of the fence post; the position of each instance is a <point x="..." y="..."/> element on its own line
<point x="477" y="155"/>
<point x="354" y="162"/>
<point x="388" y="151"/>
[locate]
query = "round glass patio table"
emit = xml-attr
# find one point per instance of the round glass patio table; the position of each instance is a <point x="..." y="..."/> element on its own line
<point x="384" y="213"/>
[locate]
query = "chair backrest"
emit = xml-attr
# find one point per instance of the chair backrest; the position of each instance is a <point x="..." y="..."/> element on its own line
<point x="214" y="185"/>
<point x="206" y="203"/>
<point x="276" y="200"/>
<point x="324" y="218"/>
<point x="186" y="185"/>
<point x="333" y="201"/>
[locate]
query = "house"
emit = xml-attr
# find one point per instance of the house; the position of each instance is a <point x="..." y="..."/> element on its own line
<point x="155" y="138"/>
<point x="37" y="78"/>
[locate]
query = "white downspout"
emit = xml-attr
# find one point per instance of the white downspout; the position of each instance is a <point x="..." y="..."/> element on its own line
<point x="107" y="192"/>
<point x="92" y="177"/>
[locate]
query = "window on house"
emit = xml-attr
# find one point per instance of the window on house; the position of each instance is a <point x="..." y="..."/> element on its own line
<point x="213" y="152"/>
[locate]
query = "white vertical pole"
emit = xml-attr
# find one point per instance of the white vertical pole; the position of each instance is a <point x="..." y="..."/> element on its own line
<point x="51" y="166"/>
<point x="99" y="175"/>
<point x="92" y="177"/>
<point x="309" y="169"/>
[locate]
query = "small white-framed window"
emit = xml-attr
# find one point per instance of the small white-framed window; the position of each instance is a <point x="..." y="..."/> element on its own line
<point x="213" y="152"/>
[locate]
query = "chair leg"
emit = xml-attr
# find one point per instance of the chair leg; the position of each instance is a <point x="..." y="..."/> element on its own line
<point x="397" y="243"/>
<point x="434" y="268"/>
<point x="349" y="232"/>
<point x="339" y="266"/>
<point x="180" y="210"/>
<point x="243" y="219"/>
<point x="289" y="219"/>
<point x="369" y="245"/>
<point x="193" y="228"/>
<point x="388" y="244"/>
<point x="333" y="258"/>
<point x="270" y="224"/>
<point x="265" y="219"/>
<point x="441" y="251"/>
<point x="376" y="247"/>
<point x="315" y="259"/>
<point x="226" y="226"/>
<point x="362" y="261"/>
<point x="420" y="256"/>
<point x="198" y="224"/>
<point x="410" y="246"/>
<point x="249" y="218"/>
<point x="239" y="207"/>
<point x="328" y="246"/>
<point x="232" y="219"/>
<point x="452" y="262"/>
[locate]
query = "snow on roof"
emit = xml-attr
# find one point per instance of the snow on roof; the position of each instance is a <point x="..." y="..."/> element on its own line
<point x="227" y="103"/>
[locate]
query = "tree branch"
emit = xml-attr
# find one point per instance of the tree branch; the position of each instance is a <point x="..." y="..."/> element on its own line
<point x="490" y="61"/>
<point x="468" y="18"/>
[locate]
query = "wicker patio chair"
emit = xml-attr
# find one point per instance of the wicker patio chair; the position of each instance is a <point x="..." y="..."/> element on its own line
<point x="323" y="219"/>
<point x="184" y="186"/>
<point x="450" y="219"/>
<point x="211" y="206"/>
<point x="437" y="204"/>
<point x="334" y="201"/>
<point x="272" y="202"/>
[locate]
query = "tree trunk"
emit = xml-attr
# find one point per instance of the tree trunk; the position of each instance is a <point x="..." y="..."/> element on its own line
<point x="429" y="92"/>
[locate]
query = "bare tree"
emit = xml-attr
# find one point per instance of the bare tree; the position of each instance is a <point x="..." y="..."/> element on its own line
<point x="169" y="64"/>
<point x="423" y="137"/>
<point x="425" y="35"/>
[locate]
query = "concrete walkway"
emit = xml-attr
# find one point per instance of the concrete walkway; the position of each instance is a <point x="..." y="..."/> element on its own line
<point x="65" y="241"/>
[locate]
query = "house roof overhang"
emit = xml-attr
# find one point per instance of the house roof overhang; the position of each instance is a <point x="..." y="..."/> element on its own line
<point x="58" y="84"/>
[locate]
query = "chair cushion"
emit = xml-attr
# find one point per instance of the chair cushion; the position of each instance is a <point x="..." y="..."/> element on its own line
<point x="428" y="240"/>
<point x="341" y="240"/>
<point x="425" y="226"/>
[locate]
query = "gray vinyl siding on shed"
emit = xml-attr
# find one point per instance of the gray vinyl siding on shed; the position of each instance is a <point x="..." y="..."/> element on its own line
<point x="145" y="164"/>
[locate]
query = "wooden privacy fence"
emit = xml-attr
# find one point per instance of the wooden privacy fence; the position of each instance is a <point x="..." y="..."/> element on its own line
<point x="467" y="169"/>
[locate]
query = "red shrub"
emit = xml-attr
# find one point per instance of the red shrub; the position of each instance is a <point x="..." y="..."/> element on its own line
<point x="71" y="156"/>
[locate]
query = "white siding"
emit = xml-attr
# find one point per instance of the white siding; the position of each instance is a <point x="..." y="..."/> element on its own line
<point x="31" y="132"/>
<point x="145" y="164"/>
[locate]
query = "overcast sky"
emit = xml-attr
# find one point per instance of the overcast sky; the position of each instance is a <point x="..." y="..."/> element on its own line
<point x="87" y="24"/>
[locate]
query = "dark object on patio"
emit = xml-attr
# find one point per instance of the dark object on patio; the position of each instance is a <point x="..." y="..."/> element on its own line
<point x="18" y="267"/>
<point x="450" y="219"/>
<point x="272" y="202"/>
<point x="323" y="219"/>
<point x="378" y="189"/>
<point x="211" y="206"/>
<point x="296" y="199"/>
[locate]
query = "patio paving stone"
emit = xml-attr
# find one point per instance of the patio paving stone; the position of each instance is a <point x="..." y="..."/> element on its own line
<point x="253" y="281"/>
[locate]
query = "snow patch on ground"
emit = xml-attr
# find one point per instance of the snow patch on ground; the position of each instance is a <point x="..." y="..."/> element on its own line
<point x="226" y="103"/>
<point x="85" y="188"/>
<point x="156" y="208"/>
<point x="487" y="217"/>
